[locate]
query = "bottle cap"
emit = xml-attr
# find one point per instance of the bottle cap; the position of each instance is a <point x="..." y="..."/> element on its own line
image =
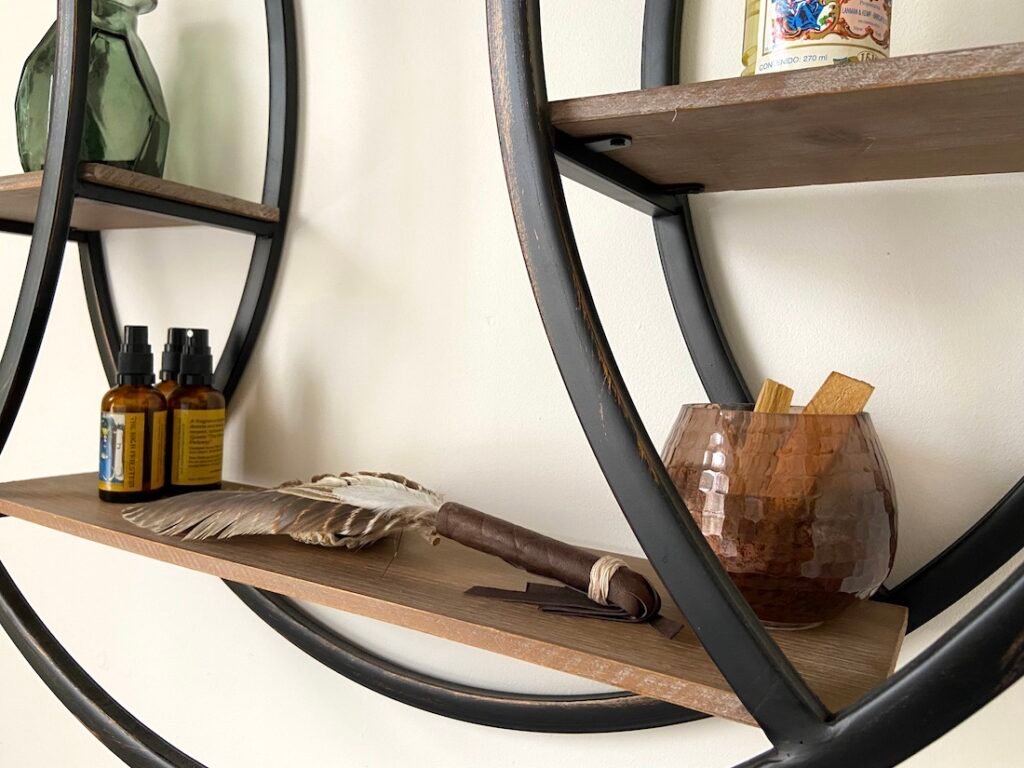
<point x="170" y="361"/>
<point x="135" y="359"/>
<point x="196" y="360"/>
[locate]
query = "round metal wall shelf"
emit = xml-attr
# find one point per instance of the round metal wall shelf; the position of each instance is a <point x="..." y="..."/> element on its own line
<point x="971" y="664"/>
<point x="942" y="686"/>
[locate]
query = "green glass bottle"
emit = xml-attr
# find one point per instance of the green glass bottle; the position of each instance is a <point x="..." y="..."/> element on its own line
<point x="126" y="122"/>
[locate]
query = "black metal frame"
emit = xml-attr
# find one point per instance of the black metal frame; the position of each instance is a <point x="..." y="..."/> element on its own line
<point x="677" y="242"/>
<point x="599" y="713"/>
<point x="114" y="726"/>
<point x="133" y="742"/>
<point x="587" y="713"/>
<point x="760" y="674"/>
<point x="972" y="663"/>
<point x="53" y="218"/>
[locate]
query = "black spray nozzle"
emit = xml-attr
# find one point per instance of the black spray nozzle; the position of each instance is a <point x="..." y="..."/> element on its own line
<point x="135" y="359"/>
<point x="196" y="359"/>
<point x="170" y="361"/>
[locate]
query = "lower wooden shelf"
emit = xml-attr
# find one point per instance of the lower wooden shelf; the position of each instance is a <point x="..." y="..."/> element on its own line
<point x="422" y="588"/>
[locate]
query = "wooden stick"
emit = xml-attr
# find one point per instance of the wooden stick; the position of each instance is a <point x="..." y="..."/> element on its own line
<point x="774" y="398"/>
<point x="840" y="396"/>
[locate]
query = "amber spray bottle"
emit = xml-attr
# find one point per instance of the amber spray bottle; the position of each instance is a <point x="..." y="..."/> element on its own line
<point x="170" y="361"/>
<point x="197" y="420"/>
<point x="133" y="422"/>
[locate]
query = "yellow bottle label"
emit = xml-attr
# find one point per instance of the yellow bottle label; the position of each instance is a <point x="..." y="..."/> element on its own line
<point x="156" y="471"/>
<point x="197" y="447"/>
<point x="122" y="451"/>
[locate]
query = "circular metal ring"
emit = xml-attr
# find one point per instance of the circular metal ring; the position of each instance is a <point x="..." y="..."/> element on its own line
<point x="594" y="713"/>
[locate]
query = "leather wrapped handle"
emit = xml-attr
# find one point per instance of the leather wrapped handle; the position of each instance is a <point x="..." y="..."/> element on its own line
<point x="544" y="556"/>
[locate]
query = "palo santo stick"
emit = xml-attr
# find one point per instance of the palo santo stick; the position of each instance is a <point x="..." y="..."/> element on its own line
<point x="774" y="398"/>
<point x="840" y="396"/>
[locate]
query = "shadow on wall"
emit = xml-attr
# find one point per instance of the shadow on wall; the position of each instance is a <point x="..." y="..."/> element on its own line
<point x="204" y="107"/>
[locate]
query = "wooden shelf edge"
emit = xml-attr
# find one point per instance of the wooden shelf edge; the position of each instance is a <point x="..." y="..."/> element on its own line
<point x="19" y="196"/>
<point x="422" y="590"/>
<point x="917" y="69"/>
<point x="109" y="176"/>
<point x="935" y="115"/>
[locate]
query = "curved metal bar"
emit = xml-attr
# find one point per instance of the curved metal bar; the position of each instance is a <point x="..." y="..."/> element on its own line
<point x="762" y="677"/>
<point x="662" y="43"/>
<point x="111" y="723"/>
<point x="968" y="667"/>
<point x="677" y="242"/>
<point x="695" y="312"/>
<point x="53" y="216"/>
<point x="98" y="299"/>
<point x="601" y="713"/>
<point x="282" y="140"/>
<point x="553" y="714"/>
<point x="278" y="181"/>
<point x="966" y="563"/>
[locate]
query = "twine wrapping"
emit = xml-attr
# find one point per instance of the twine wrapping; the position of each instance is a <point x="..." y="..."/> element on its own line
<point x="601" y="578"/>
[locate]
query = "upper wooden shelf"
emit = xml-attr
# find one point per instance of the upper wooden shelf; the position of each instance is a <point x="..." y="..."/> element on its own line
<point x="942" y="114"/>
<point x="422" y="588"/>
<point x="111" y="198"/>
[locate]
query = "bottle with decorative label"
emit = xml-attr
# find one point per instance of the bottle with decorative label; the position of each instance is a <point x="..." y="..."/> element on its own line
<point x="197" y="420"/>
<point x="799" y="34"/>
<point x="133" y="423"/>
<point x="751" y="29"/>
<point x="170" y="361"/>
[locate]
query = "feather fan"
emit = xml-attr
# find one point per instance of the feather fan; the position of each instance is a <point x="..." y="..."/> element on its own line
<point x="356" y="510"/>
<point x="348" y="510"/>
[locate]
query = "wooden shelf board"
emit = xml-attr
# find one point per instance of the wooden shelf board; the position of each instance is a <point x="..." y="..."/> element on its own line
<point x="422" y="588"/>
<point x="19" y="197"/>
<point x="941" y="114"/>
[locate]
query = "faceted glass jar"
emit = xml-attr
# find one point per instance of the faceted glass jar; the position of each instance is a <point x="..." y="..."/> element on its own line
<point x="799" y="509"/>
<point x="126" y="122"/>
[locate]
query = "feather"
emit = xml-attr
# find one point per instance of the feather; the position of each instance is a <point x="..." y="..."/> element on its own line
<point x="348" y="510"/>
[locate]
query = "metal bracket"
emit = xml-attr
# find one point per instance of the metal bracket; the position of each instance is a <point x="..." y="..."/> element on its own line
<point x="608" y="143"/>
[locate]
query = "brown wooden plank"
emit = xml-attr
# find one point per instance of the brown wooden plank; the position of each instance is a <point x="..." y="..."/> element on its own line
<point x="942" y="114"/>
<point x="19" y="197"/>
<point x="422" y="588"/>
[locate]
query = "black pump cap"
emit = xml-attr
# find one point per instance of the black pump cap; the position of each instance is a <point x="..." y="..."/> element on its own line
<point x="135" y="360"/>
<point x="170" y="361"/>
<point x="196" y="360"/>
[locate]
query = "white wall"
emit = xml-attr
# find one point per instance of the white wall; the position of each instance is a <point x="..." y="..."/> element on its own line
<point x="403" y="337"/>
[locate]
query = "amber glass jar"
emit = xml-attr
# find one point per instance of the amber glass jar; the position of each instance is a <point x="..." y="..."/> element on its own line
<point x="133" y="420"/>
<point x="799" y="509"/>
<point x="197" y="421"/>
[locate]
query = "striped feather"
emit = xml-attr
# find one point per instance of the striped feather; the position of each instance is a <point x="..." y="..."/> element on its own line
<point x="349" y="510"/>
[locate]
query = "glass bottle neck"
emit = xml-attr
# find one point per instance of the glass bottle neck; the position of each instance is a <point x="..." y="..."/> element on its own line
<point x="120" y="15"/>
